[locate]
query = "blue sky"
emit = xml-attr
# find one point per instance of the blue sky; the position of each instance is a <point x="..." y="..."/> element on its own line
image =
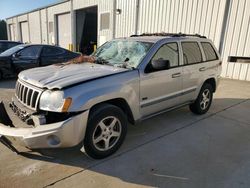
<point x="10" y="8"/>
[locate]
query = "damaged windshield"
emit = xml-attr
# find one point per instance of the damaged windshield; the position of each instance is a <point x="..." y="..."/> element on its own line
<point x="122" y="53"/>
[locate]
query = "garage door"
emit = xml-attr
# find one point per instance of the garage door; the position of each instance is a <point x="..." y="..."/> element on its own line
<point x="12" y="32"/>
<point x="24" y="32"/>
<point x="64" y="31"/>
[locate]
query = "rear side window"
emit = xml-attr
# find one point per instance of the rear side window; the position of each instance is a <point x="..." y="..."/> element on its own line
<point x="52" y="51"/>
<point x="209" y="51"/>
<point x="191" y="53"/>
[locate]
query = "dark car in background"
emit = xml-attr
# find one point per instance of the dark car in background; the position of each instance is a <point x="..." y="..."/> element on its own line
<point x="26" y="56"/>
<point x="5" y="45"/>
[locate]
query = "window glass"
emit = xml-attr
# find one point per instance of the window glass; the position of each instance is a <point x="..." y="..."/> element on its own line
<point x="209" y="51"/>
<point x="12" y="50"/>
<point x="191" y="52"/>
<point x="118" y="52"/>
<point x="10" y="45"/>
<point x="51" y="51"/>
<point x="168" y="52"/>
<point x="32" y="51"/>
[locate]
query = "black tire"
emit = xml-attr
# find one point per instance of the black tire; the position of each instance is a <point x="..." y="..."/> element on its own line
<point x="106" y="114"/>
<point x="198" y="107"/>
<point x="1" y="75"/>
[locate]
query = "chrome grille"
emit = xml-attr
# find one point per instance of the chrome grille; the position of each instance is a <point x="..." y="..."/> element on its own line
<point x="27" y="95"/>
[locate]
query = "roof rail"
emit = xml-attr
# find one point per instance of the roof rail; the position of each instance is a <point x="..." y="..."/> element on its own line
<point x="169" y="35"/>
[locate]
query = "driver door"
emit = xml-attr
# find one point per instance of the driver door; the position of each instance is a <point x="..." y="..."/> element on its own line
<point x="161" y="89"/>
<point x="26" y="58"/>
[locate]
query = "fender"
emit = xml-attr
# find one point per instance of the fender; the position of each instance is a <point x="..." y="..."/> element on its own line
<point x="125" y="86"/>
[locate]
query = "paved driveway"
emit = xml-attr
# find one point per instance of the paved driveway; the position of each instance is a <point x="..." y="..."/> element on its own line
<point x="175" y="149"/>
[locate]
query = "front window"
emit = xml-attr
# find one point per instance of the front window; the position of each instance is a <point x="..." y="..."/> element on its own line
<point x="123" y="53"/>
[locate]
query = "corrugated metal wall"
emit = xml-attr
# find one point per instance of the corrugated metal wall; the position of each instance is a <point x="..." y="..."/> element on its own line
<point x="126" y="21"/>
<point x="186" y="16"/>
<point x="237" y="40"/>
<point x="104" y="7"/>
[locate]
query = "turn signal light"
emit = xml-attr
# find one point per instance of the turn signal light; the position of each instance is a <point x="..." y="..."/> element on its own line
<point x="66" y="104"/>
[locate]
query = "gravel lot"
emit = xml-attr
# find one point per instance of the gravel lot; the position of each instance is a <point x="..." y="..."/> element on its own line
<point x="175" y="149"/>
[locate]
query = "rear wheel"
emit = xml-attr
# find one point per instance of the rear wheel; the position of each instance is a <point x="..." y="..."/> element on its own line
<point x="106" y="131"/>
<point x="203" y="101"/>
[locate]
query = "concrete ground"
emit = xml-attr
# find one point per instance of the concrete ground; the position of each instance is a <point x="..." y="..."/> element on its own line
<point x="175" y="149"/>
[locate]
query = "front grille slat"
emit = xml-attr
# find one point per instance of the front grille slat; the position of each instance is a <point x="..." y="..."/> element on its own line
<point x="25" y="95"/>
<point x="21" y="92"/>
<point x="28" y="95"/>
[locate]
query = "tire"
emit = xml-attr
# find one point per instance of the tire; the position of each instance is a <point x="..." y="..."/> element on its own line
<point x="106" y="131"/>
<point x="1" y="75"/>
<point x="203" y="101"/>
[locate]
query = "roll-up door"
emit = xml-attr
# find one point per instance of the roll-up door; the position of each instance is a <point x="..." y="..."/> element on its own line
<point x="24" y="32"/>
<point x="63" y="30"/>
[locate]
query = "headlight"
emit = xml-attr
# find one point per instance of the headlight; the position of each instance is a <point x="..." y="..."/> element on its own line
<point x="54" y="101"/>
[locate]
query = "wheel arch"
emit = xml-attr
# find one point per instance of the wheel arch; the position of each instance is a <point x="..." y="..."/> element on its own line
<point x="212" y="82"/>
<point x="122" y="104"/>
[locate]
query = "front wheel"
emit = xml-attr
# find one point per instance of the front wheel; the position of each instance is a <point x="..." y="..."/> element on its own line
<point x="203" y="101"/>
<point x="106" y="131"/>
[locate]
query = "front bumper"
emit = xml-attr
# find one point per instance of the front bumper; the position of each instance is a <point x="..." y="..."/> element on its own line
<point x="66" y="133"/>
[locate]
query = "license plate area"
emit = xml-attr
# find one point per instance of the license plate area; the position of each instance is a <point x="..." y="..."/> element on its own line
<point x="21" y="113"/>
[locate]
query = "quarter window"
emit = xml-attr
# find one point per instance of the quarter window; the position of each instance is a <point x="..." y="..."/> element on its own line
<point x="209" y="51"/>
<point x="191" y="52"/>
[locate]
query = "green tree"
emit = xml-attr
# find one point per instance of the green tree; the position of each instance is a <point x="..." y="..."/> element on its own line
<point x="3" y="30"/>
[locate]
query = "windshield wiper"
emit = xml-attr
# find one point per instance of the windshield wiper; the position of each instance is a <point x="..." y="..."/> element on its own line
<point x="126" y="65"/>
<point x="102" y="61"/>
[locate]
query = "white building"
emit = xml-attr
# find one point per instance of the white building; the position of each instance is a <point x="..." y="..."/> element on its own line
<point x="74" y="23"/>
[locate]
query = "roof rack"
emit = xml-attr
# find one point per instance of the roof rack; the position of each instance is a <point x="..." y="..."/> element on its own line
<point x="169" y="35"/>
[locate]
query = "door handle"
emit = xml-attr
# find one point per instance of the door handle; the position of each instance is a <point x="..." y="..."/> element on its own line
<point x="202" y="69"/>
<point x="176" y="75"/>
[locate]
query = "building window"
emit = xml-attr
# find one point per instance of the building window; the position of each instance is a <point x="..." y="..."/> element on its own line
<point x="105" y="21"/>
<point x="51" y="27"/>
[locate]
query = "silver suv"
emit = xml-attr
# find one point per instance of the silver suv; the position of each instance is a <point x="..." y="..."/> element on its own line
<point x="134" y="78"/>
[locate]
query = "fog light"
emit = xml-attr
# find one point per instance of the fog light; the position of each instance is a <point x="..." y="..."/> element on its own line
<point x="53" y="140"/>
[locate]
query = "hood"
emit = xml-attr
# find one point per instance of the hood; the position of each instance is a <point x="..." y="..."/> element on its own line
<point x="58" y="77"/>
<point x="4" y="57"/>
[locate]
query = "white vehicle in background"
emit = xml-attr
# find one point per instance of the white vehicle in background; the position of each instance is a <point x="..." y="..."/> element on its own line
<point x="133" y="78"/>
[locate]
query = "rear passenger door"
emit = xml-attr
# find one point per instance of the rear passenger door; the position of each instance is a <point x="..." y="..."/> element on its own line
<point x="161" y="89"/>
<point x="193" y="69"/>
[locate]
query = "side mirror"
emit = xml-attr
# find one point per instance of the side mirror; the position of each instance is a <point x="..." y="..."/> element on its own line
<point x="160" y="64"/>
<point x="16" y="55"/>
